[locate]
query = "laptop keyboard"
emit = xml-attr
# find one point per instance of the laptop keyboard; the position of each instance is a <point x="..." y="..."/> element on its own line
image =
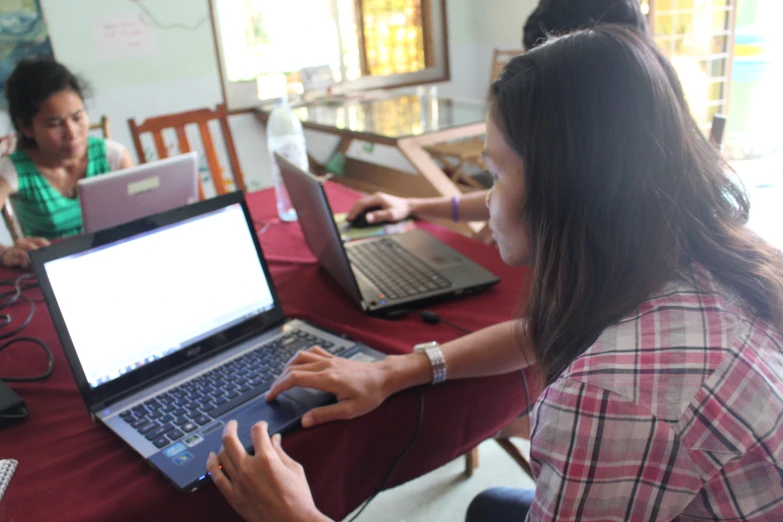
<point x="394" y="270"/>
<point x="176" y="412"/>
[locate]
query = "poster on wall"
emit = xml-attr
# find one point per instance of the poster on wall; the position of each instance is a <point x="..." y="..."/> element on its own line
<point x="22" y="34"/>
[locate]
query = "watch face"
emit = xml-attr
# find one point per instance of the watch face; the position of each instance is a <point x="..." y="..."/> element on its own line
<point x="423" y="346"/>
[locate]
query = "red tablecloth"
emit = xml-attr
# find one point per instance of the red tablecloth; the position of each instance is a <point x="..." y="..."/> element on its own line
<point x="73" y="470"/>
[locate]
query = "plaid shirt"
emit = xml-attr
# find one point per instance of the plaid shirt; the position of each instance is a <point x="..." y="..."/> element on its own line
<point x="673" y="414"/>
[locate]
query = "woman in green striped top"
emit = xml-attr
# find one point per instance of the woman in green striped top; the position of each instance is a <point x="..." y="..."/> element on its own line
<point x="46" y="106"/>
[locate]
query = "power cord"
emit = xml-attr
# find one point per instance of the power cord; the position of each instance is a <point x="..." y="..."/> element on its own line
<point x="399" y="459"/>
<point x="427" y="316"/>
<point x="9" y="299"/>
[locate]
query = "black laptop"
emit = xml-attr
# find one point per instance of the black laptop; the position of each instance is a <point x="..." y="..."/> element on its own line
<point x="172" y="326"/>
<point x="380" y="273"/>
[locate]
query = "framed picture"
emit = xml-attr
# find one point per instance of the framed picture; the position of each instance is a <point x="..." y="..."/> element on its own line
<point x="23" y="34"/>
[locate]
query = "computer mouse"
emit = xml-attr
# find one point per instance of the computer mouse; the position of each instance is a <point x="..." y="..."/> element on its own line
<point x="360" y="221"/>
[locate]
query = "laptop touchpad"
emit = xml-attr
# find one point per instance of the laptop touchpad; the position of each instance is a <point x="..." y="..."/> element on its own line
<point x="277" y="413"/>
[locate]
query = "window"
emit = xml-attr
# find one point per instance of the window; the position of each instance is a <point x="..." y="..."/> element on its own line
<point x="696" y="35"/>
<point x="367" y="44"/>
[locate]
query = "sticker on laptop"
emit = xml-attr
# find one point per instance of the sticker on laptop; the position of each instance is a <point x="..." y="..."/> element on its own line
<point x="175" y="449"/>
<point x="182" y="458"/>
<point x="143" y="185"/>
<point x="193" y="440"/>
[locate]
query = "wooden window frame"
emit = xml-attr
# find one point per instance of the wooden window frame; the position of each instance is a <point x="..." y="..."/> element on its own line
<point x="242" y="96"/>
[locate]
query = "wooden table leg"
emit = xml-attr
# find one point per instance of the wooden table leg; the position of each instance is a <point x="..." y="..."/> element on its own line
<point x="471" y="461"/>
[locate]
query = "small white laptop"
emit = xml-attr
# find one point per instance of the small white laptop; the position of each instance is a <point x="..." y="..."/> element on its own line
<point x="112" y="199"/>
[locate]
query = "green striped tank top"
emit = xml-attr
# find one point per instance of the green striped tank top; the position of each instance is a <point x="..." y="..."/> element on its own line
<point x="41" y="209"/>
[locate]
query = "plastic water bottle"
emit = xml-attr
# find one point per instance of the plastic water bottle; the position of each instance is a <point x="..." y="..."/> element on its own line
<point x="285" y="136"/>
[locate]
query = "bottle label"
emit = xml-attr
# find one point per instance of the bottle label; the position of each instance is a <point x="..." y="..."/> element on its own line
<point x="291" y="148"/>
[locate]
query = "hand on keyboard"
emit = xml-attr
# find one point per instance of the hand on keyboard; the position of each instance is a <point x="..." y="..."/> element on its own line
<point x="358" y="386"/>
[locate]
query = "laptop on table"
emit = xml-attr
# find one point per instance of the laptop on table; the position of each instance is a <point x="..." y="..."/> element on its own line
<point x="172" y="326"/>
<point x="124" y="195"/>
<point x="380" y="273"/>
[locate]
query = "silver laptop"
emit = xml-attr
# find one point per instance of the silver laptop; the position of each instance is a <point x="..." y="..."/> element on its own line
<point x="168" y="339"/>
<point x="118" y="197"/>
<point x="380" y="273"/>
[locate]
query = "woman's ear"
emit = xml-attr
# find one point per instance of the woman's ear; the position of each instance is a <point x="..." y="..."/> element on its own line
<point x="26" y="130"/>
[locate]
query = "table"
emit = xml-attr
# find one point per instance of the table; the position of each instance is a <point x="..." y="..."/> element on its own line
<point x="407" y="122"/>
<point x="73" y="470"/>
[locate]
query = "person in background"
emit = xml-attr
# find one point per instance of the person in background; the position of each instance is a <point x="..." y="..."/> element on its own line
<point x="653" y="312"/>
<point x="53" y="152"/>
<point x="557" y="17"/>
<point x="551" y="17"/>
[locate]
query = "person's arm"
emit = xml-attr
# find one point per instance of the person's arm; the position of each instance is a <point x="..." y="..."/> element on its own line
<point x="361" y="387"/>
<point x="117" y="155"/>
<point x="491" y="351"/>
<point x="271" y="486"/>
<point x="16" y="255"/>
<point x="470" y="207"/>
<point x="126" y="161"/>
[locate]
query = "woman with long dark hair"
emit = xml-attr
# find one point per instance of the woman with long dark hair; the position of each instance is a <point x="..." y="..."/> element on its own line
<point x="653" y="312"/>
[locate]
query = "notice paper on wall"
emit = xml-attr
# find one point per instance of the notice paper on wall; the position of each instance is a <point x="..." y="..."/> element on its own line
<point x="123" y="36"/>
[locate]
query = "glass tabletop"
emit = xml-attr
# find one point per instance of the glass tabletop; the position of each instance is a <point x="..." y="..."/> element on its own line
<point x="394" y="117"/>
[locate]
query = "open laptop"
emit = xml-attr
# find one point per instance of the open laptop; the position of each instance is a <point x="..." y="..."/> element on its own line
<point x="172" y="326"/>
<point x="385" y="272"/>
<point x="124" y="195"/>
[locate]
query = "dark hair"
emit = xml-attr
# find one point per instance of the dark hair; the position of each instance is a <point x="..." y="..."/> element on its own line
<point x="622" y="190"/>
<point x="32" y="81"/>
<point x="557" y="17"/>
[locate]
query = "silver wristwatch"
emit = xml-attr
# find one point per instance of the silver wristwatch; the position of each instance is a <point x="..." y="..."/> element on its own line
<point x="435" y="355"/>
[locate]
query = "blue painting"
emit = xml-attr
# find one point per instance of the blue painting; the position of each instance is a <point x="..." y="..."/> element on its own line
<point x="22" y="34"/>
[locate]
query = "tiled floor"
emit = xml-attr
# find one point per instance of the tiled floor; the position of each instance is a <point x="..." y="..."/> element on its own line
<point x="444" y="494"/>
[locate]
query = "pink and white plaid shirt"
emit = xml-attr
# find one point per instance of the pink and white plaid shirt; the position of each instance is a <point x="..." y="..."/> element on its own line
<point x="673" y="414"/>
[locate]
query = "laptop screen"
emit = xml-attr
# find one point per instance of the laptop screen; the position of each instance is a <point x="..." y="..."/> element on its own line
<point x="131" y="302"/>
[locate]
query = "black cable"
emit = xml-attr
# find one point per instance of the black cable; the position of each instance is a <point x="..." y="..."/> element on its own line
<point x="433" y="318"/>
<point x="26" y="322"/>
<point x="5" y="319"/>
<point x="399" y="459"/>
<point x="427" y="316"/>
<point x="47" y="351"/>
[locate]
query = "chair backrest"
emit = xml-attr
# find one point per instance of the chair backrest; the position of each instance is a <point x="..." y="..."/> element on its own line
<point x="11" y="222"/>
<point x="717" y="130"/>
<point x="178" y="121"/>
<point x="499" y="60"/>
<point x="7" y="146"/>
<point x="104" y="126"/>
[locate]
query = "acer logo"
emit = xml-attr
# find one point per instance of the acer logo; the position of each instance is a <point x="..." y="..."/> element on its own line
<point x="192" y="352"/>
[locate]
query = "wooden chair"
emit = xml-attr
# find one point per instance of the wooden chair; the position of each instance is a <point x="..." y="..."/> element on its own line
<point x="178" y="121"/>
<point x="717" y="130"/>
<point x="7" y="146"/>
<point x="104" y="126"/>
<point x="455" y="156"/>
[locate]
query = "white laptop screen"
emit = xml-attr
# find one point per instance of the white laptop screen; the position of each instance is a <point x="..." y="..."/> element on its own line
<point x="134" y="301"/>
